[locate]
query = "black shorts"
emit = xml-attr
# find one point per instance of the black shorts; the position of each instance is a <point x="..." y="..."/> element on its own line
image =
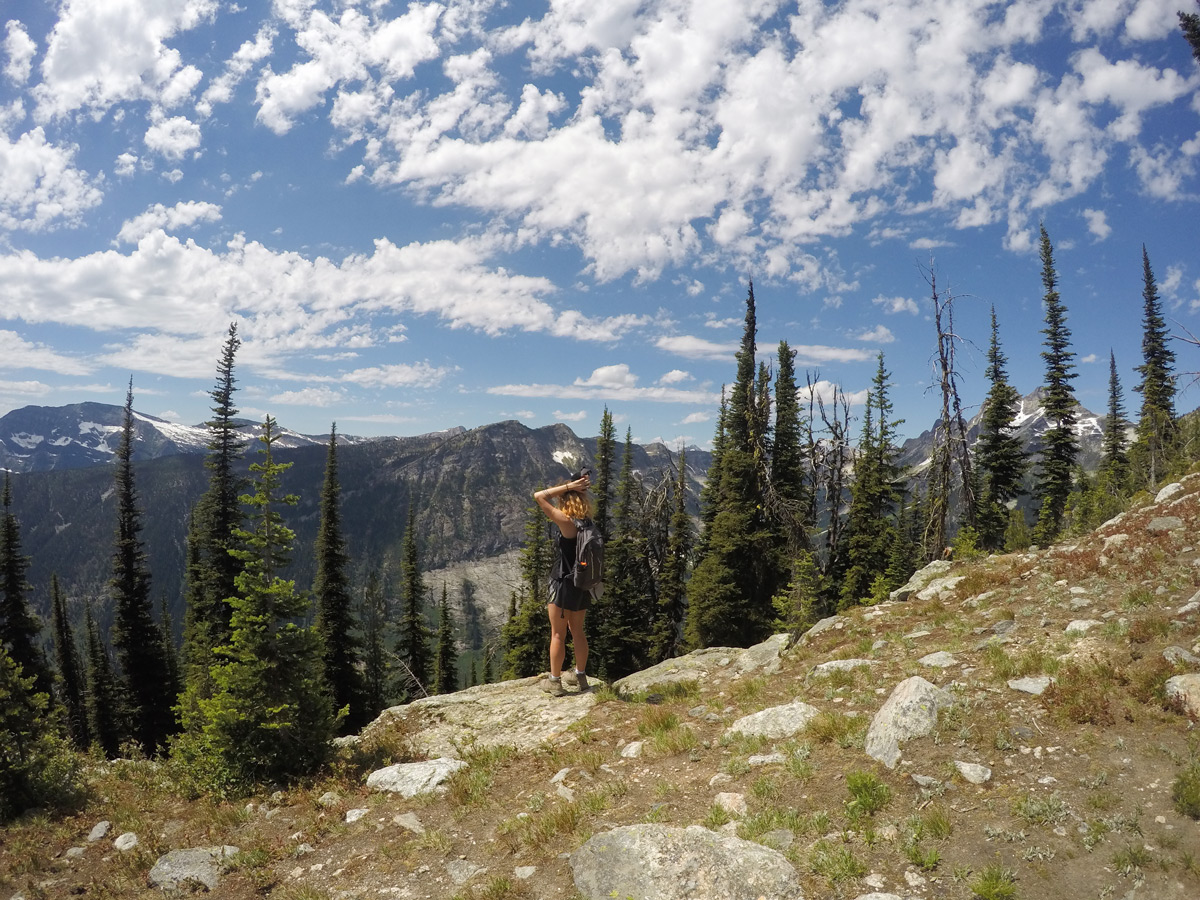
<point x="565" y="595"/>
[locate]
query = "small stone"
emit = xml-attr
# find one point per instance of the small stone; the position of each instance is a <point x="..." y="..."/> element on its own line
<point x="99" y="830"/>
<point x="632" y="750"/>
<point x="75" y="852"/>
<point x="353" y="815"/>
<point x="1047" y="779"/>
<point x="1168" y="492"/>
<point x="767" y="759"/>
<point x="973" y="772"/>
<point x="1165" y="523"/>
<point x="925" y="781"/>
<point x="918" y="634"/>
<point x="875" y="880"/>
<point x="1081" y="625"/>
<point x="720" y="778"/>
<point x="878" y="645"/>
<point x="914" y="879"/>
<point x="939" y="660"/>
<point x="522" y="873"/>
<point x="566" y="793"/>
<point x="462" y="871"/>
<point x="889" y="833"/>
<point x="126" y="842"/>
<point x="328" y="799"/>
<point x="734" y="804"/>
<point x="560" y="776"/>
<point x="409" y="822"/>
<point x="1035" y="685"/>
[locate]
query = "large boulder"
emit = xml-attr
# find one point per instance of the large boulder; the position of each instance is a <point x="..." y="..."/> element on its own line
<point x="1185" y="690"/>
<point x="910" y="712"/>
<point x="709" y="665"/>
<point x="511" y="713"/>
<point x="185" y="870"/>
<point x="670" y="863"/>
<point x="413" y="779"/>
<point x="776" y="722"/>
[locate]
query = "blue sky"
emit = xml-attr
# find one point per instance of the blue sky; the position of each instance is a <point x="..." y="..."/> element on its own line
<point x="435" y="214"/>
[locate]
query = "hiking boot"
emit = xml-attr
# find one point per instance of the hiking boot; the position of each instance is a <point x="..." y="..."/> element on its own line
<point x="576" y="678"/>
<point x="552" y="686"/>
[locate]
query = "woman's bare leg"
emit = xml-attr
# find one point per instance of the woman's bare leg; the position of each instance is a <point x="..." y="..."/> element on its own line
<point x="578" y="639"/>
<point x="558" y="638"/>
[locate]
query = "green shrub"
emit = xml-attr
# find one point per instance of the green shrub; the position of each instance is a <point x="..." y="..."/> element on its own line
<point x="1185" y="792"/>
<point x="868" y="795"/>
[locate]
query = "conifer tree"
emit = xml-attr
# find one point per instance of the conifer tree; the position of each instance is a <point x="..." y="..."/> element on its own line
<point x="1060" y="447"/>
<point x="606" y="448"/>
<point x="136" y="638"/>
<point x="1154" y="450"/>
<point x="710" y="492"/>
<point x="870" y="521"/>
<point x="744" y="566"/>
<point x="37" y="768"/>
<point x="215" y="519"/>
<point x="71" y="675"/>
<point x="667" y="635"/>
<point x="169" y="650"/>
<point x="1000" y="459"/>
<point x="413" y="644"/>
<point x="373" y="617"/>
<point x="620" y="619"/>
<point x="472" y="624"/>
<point x="789" y="486"/>
<point x="524" y="635"/>
<point x="445" y="661"/>
<point x="20" y="628"/>
<point x="1114" y="463"/>
<point x="1189" y="24"/>
<point x="331" y="591"/>
<point x="103" y="703"/>
<point x="270" y="718"/>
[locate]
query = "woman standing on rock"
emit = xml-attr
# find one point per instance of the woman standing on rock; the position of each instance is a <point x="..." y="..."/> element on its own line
<point x="568" y="604"/>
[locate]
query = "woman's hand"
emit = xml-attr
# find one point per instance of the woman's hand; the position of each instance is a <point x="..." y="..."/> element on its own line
<point x="580" y="484"/>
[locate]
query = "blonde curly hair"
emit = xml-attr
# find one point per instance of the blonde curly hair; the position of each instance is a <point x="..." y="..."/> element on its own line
<point x="575" y="505"/>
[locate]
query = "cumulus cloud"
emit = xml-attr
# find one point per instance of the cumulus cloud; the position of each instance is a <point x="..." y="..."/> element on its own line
<point x="675" y="376"/>
<point x="19" y="48"/>
<point x="695" y="418"/>
<point x="1097" y="223"/>
<point x="313" y="396"/>
<point x="617" y="376"/>
<point x="415" y="375"/>
<point x="40" y="187"/>
<point x="236" y="69"/>
<point x="880" y="334"/>
<point x="696" y="348"/>
<point x="893" y="305"/>
<point x="19" y="353"/>
<point x="173" y="138"/>
<point x="615" y="382"/>
<point x="181" y="215"/>
<point x="561" y="416"/>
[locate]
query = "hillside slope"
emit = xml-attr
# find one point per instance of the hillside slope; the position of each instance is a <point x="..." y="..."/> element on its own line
<point x="1076" y="801"/>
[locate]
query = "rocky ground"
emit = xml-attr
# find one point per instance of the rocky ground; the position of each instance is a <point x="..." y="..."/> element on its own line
<point x="1020" y="726"/>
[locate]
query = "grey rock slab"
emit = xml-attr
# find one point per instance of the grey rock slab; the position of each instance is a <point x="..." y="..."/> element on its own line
<point x="910" y="712"/>
<point x="409" y="822"/>
<point x="1165" y="523"/>
<point x="524" y="872"/>
<point x="973" y="772"/>
<point x="921" y="579"/>
<point x="510" y="713"/>
<point x="939" y="587"/>
<point x="829" y="623"/>
<point x="670" y="863"/>
<point x="413" y="779"/>
<point x="838" y="665"/>
<point x="1179" y="655"/>
<point x="461" y="871"/>
<point x="939" y="660"/>
<point x="353" y="815"/>
<point x="633" y="749"/>
<point x="1035" y="684"/>
<point x="733" y="803"/>
<point x="1081" y="625"/>
<point x="1168" y="491"/>
<point x="766" y="759"/>
<point x="99" y="831"/>
<point x="329" y="798"/>
<point x="126" y="842"/>
<point x="199" y="865"/>
<point x="763" y="658"/>
<point x="776" y="721"/>
<point x="1185" y="690"/>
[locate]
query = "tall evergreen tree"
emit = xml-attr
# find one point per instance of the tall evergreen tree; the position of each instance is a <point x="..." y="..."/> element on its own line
<point x="744" y="565"/>
<point x="270" y="718"/>
<point x="136" y="638"/>
<point x="1114" y="462"/>
<point x="1060" y="447"/>
<point x="20" y="628"/>
<point x="217" y="516"/>
<point x="1189" y="24"/>
<point x="103" y="703"/>
<point x="1154" y="450"/>
<point x="374" y="617"/>
<point x="331" y="591"/>
<point x="667" y="634"/>
<point x="413" y="644"/>
<point x="711" y="490"/>
<point x="71" y="675"/>
<point x="1000" y="458"/>
<point x="445" y="660"/>
<point x="524" y="636"/>
<point x="789" y="485"/>
<point x="870" y="521"/>
<point x="606" y="448"/>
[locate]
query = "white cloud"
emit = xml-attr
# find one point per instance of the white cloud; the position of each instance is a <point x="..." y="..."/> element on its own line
<point x="894" y="305"/>
<point x="173" y="138"/>
<point x="826" y="391"/>
<point x="1097" y="223"/>
<point x="880" y="334"/>
<point x="696" y="348"/>
<point x="608" y="383"/>
<point x="422" y="375"/>
<point x="239" y="65"/>
<point x="19" y="353"/>
<point x="617" y="376"/>
<point x="695" y="418"/>
<point x="23" y="389"/>
<point x="1170" y="283"/>
<point x="713" y="322"/>
<point x="101" y="53"/>
<point x="19" y="48"/>
<point x="675" y="376"/>
<point x="40" y="187"/>
<point x="1090" y="358"/>
<point x="810" y="354"/>
<point x="126" y="165"/>
<point x="561" y="416"/>
<point x="312" y="396"/>
<point x="181" y="215"/>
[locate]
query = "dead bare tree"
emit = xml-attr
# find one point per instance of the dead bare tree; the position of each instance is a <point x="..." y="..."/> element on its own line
<point x="951" y="450"/>
<point x="830" y="456"/>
